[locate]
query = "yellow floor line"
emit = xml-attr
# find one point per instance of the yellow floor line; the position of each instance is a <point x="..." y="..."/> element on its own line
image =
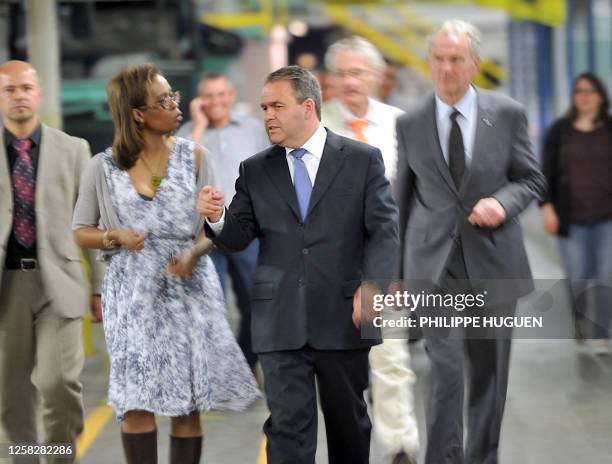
<point x="94" y="424"/>
<point x="263" y="458"/>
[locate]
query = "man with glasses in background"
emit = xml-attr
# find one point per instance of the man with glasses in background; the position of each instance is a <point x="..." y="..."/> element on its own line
<point x="356" y="66"/>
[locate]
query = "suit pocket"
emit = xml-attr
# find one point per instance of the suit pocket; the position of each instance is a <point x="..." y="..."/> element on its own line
<point x="350" y="287"/>
<point x="262" y="291"/>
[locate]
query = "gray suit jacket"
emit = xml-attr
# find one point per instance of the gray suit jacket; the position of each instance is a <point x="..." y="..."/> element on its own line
<point x="433" y="212"/>
<point x="62" y="158"/>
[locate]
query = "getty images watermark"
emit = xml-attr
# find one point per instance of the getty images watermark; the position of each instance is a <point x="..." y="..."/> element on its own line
<point x="500" y="308"/>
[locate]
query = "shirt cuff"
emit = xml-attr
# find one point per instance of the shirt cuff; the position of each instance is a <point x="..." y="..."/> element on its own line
<point x="217" y="227"/>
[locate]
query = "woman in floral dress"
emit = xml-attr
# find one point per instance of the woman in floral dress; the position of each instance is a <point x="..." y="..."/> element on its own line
<point x="170" y="346"/>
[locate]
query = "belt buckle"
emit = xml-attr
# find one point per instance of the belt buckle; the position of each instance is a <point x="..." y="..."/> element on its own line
<point x="28" y="264"/>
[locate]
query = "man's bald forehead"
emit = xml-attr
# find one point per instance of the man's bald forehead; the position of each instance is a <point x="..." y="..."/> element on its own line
<point x="15" y="67"/>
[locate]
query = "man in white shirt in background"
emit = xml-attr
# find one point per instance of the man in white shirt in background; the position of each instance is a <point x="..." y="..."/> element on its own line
<point x="357" y="67"/>
<point x="231" y="138"/>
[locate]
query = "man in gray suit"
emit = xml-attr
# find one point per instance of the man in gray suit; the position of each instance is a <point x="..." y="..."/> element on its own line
<point x="465" y="172"/>
<point x="43" y="292"/>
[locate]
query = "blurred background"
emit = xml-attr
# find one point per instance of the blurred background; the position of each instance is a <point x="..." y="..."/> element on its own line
<point x="532" y="48"/>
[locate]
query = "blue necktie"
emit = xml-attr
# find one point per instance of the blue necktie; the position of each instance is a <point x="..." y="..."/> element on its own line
<point x="301" y="181"/>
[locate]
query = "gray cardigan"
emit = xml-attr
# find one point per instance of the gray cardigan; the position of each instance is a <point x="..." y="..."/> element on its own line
<point x="94" y="207"/>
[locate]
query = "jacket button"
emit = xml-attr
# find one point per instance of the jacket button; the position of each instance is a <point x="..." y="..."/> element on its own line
<point x="301" y="282"/>
<point x="305" y="251"/>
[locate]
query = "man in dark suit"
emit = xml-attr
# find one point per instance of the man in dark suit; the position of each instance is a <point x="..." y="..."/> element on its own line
<point x="322" y="210"/>
<point x="465" y="172"/>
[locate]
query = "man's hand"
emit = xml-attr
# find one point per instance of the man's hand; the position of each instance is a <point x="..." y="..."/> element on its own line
<point x="551" y="219"/>
<point x="182" y="265"/>
<point x="363" y="304"/>
<point x="96" y="308"/>
<point x="211" y="203"/>
<point x="488" y="212"/>
<point x="199" y="119"/>
<point x="357" y="308"/>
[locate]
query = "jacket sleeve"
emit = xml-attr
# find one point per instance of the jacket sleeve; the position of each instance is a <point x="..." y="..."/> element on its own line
<point x="403" y="189"/>
<point x="239" y="229"/>
<point x="550" y="161"/>
<point x="381" y="253"/>
<point x="525" y="179"/>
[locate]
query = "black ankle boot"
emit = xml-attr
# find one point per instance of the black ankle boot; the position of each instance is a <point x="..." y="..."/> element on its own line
<point x="185" y="450"/>
<point x="140" y="448"/>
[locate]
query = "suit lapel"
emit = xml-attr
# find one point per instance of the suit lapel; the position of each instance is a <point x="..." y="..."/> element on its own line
<point x="44" y="178"/>
<point x="482" y="134"/>
<point x="331" y="161"/>
<point x="431" y="124"/>
<point x="6" y="189"/>
<point x="278" y="170"/>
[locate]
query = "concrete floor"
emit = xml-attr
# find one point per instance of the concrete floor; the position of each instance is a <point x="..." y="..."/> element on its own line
<point x="559" y="406"/>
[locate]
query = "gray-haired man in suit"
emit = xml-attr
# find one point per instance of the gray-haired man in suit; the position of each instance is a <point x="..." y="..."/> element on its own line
<point x="43" y="292"/>
<point x="465" y="172"/>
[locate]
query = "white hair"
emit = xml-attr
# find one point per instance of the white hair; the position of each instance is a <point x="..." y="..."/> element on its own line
<point x="357" y="45"/>
<point x="458" y="27"/>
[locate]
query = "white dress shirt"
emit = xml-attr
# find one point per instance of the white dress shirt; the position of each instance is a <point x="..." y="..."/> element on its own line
<point x="380" y="131"/>
<point x="466" y="119"/>
<point x="312" y="158"/>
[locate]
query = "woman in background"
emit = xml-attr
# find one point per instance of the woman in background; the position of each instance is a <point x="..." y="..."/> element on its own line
<point x="578" y="208"/>
<point x="170" y="346"/>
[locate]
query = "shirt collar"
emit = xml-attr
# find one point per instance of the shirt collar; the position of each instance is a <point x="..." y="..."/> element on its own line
<point x="10" y="138"/>
<point x="234" y="120"/>
<point x="315" y="144"/>
<point x="347" y="116"/>
<point x="465" y="106"/>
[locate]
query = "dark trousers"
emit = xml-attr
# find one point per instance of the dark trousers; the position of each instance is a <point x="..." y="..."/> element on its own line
<point x="291" y="429"/>
<point x="241" y="267"/>
<point x="486" y="363"/>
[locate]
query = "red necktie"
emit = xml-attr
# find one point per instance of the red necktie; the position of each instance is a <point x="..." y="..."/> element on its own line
<point x="24" y="223"/>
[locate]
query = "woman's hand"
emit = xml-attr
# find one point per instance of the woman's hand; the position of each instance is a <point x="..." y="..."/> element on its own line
<point x="183" y="264"/>
<point x="551" y="220"/>
<point x="128" y="238"/>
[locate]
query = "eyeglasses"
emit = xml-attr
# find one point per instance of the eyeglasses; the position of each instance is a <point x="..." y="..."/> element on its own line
<point x="355" y="72"/>
<point x="166" y="102"/>
<point x="587" y="91"/>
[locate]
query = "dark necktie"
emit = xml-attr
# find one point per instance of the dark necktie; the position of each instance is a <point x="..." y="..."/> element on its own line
<point x="301" y="181"/>
<point x="456" y="150"/>
<point x="23" y="179"/>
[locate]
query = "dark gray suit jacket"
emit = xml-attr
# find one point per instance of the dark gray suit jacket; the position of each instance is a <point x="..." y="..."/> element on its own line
<point x="307" y="272"/>
<point x="433" y="211"/>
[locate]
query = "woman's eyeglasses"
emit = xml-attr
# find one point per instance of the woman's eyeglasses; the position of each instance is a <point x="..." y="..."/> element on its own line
<point x="166" y="102"/>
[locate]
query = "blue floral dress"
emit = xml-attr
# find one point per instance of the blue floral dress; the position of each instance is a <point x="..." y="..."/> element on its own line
<point x="170" y="346"/>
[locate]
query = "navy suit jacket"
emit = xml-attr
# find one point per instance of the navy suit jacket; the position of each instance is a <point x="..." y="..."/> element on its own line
<point x="308" y="271"/>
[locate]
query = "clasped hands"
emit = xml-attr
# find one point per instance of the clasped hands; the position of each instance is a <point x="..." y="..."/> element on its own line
<point x="180" y="265"/>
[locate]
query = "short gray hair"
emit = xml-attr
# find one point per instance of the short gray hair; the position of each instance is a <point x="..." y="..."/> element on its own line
<point x="304" y="84"/>
<point x="213" y="76"/>
<point x="458" y="27"/>
<point x="357" y="45"/>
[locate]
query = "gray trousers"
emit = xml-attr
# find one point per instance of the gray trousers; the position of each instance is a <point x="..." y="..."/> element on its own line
<point x="485" y="363"/>
<point x="42" y="353"/>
